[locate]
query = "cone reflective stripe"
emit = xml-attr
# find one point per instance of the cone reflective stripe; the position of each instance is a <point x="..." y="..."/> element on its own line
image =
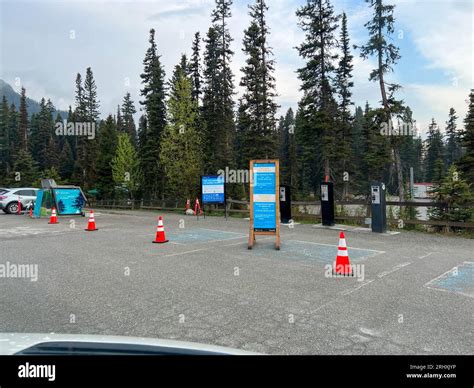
<point x="342" y="265"/>
<point x="91" y="223"/>
<point x="53" y="219"/>
<point x="160" y="232"/>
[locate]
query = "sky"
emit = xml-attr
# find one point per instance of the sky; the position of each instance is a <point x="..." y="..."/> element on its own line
<point x="45" y="43"/>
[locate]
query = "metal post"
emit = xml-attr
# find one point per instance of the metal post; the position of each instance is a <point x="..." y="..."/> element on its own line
<point x="412" y="184"/>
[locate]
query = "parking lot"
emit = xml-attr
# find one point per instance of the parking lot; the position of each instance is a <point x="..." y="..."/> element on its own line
<point x="416" y="295"/>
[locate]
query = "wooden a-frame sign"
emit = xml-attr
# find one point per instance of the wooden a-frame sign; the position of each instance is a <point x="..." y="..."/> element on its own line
<point x="264" y="200"/>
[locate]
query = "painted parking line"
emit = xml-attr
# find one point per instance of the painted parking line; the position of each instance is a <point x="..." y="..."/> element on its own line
<point x="458" y="280"/>
<point x="395" y="268"/>
<point x="201" y="236"/>
<point x="297" y="250"/>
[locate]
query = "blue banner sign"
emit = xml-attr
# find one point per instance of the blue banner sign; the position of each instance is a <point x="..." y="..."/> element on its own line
<point x="213" y="190"/>
<point x="69" y="201"/>
<point x="264" y="196"/>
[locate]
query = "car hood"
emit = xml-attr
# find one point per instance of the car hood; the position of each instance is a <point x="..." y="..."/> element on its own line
<point x="84" y="344"/>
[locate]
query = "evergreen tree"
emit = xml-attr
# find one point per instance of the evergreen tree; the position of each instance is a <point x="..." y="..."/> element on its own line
<point x="453" y="147"/>
<point x="80" y="110"/>
<point x="315" y="126"/>
<point x="180" y="153"/>
<point x="66" y="162"/>
<point x="466" y="163"/>
<point x="5" y="157"/>
<point x="195" y="68"/>
<point x="25" y="168"/>
<point x="107" y="148"/>
<point x="259" y="135"/>
<point x="119" y="120"/>
<point x="358" y="149"/>
<point x="288" y="161"/>
<point x="42" y="143"/>
<point x="434" y="165"/>
<point x="91" y="102"/>
<point x="343" y="85"/>
<point x="23" y="122"/>
<point x="218" y="115"/>
<point x="79" y="142"/>
<point x="128" y="110"/>
<point x="92" y="105"/>
<point x="125" y="166"/>
<point x="455" y="192"/>
<point x="376" y="155"/>
<point x="411" y="148"/>
<point x="380" y="28"/>
<point x="14" y="134"/>
<point x="153" y="94"/>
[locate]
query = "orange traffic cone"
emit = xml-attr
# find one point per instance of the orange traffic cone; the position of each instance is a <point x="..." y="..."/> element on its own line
<point x="91" y="224"/>
<point x="197" y="207"/>
<point x="188" y="206"/>
<point x="342" y="265"/>
<point x="53" y="219"/>
<point x="31" y="212"/>
<point x="160" y="232"/>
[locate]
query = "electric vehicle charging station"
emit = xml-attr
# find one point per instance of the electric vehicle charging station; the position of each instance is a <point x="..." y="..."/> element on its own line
<point x="378" y="207"/>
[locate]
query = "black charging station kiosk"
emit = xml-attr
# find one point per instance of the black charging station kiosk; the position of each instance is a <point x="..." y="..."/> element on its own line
<point x="327" y="203"/>
<point x="379" y="213"/>
<point x="285" y="204"/>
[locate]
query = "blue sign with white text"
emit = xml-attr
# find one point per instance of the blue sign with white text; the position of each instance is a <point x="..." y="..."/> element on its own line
<point x="264" y="196"/>
<point x="213" y="189"/>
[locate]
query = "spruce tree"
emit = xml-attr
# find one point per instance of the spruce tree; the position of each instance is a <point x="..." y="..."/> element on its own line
<point x="153" y="94"/>
<point x="343" y="85"/>
<point x="66" y="162"/>
<point x="13" y="119"/>
<point x="119" y="120"/>
<point x="23" y="122"/>
<point x="92" y="105"/>
<point x="218" y="104"/>
<point x="466" y="163"/>
<point x="434" y="162"/>
<point x="453" y="147"/>
<point x="5" y="158"/>
<point x="287" y="149"/>
<point x="107" y="147"/>
<point x="380" y="29"/>
<point x="315" y="126"/>
<point x="259" y="135"/>
<point x="42" y="127"/>
<point x="25" y="168"/>
<point x="456" y="193"/>
<point x="195" y="68"/>
<point x="128" y="110"/>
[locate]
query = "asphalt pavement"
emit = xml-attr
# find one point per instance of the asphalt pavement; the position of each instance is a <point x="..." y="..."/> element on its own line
<point x="414" y="293"/>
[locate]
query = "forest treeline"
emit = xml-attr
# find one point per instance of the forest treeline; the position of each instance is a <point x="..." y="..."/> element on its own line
<point x="192" y="123"/>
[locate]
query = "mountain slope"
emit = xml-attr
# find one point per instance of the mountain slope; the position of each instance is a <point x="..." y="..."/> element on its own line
<point x="14" y="98"/>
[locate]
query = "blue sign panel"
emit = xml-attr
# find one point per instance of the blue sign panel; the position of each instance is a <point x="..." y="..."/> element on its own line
<point x="264" y="197"/>
<point x="69" y="201"/>
<point x="213" y="189"/>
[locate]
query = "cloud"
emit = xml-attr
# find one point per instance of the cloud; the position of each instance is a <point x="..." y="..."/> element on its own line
<point x="443" y="34"/>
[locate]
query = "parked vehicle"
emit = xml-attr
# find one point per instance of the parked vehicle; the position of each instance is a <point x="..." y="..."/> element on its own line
<point x="9" y="198"/>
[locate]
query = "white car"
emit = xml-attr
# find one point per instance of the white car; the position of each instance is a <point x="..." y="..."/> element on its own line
<point x="9" y="198"/>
